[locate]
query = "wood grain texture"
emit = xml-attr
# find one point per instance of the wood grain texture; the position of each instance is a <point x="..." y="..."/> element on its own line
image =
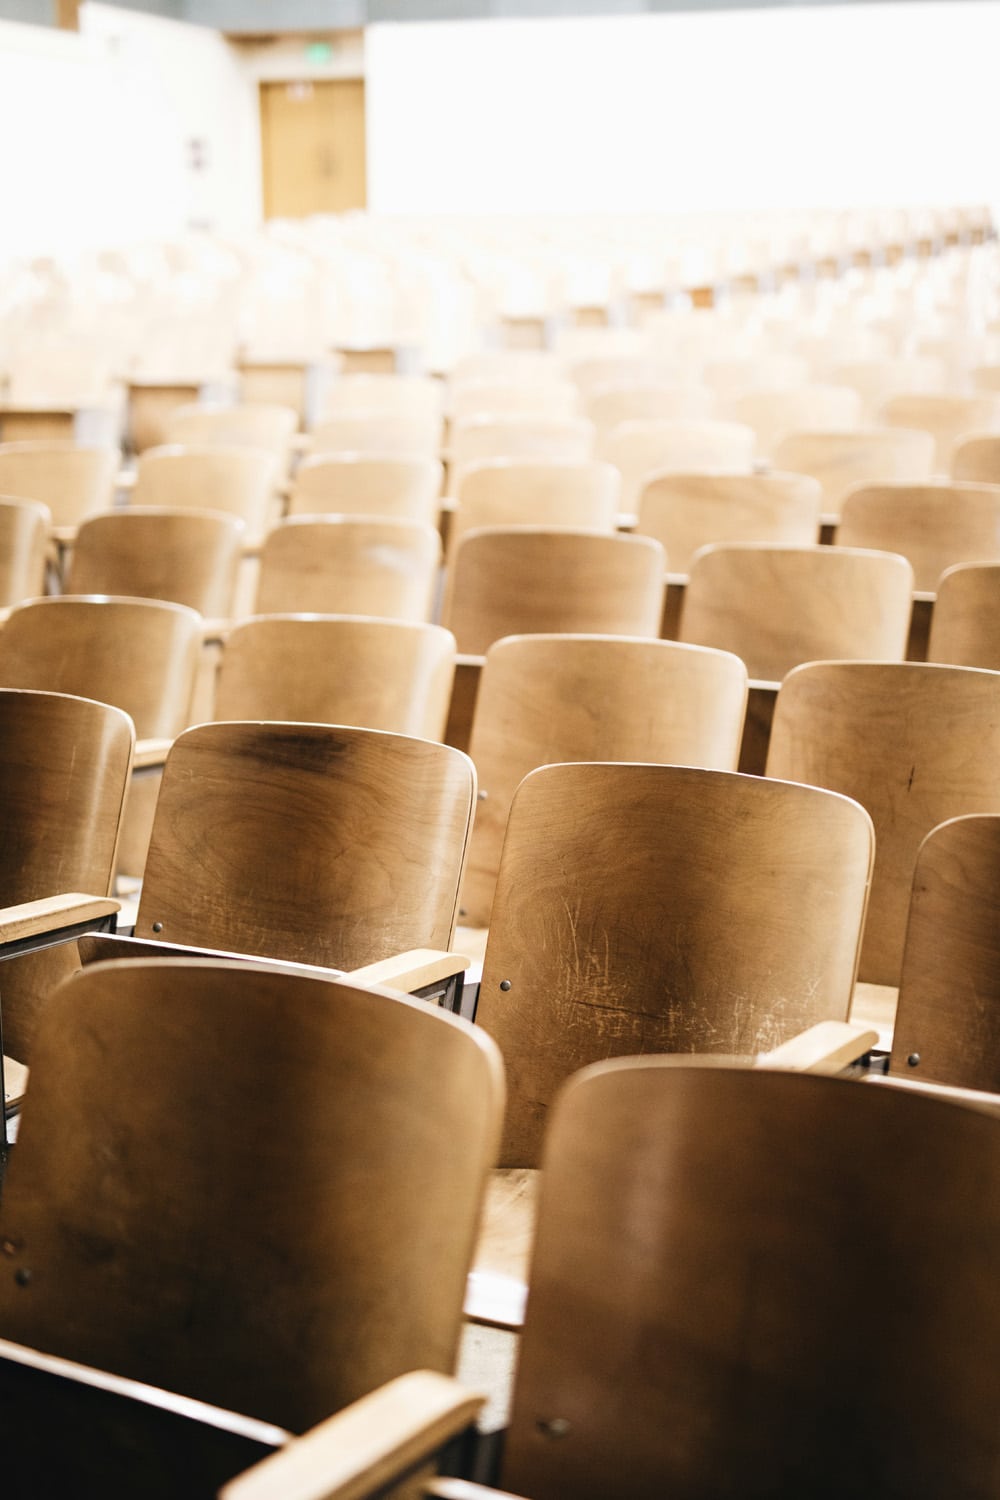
<point x="72" y="482"/>
<point x="378" y="674"/>
<point x="843" y="460"/>
<point x="556" y="698"/>
<point x="237" y="481"/>
<point x="521" y="492"/>
<point x="935" y="525"/>
<point x="946" y="416"/>
<point x="254" y="1188"/>
<point x="664" y="909"/>
<point x="358" y="484"/>
<point x="965" y="625"/>
<point x="325" y="845"/>
<point x="687" y="511"/>
<point x="529" y="580"/>
<point x="24" y="528"/>
<point x="914" y="743"/>
<point x="184" y="556"/>
<point x="779" y="606"/>
<point x="707" y="1236"/>
<point x="349" y="566"/>
<point x="640" y="450"/>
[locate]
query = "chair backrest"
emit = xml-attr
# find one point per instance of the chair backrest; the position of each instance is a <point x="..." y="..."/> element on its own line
<point x="608" y="405"/>
<point x="238" y="481"/>
<point x="24" y="530"/>
<point x="317" y="843"/>
<point x="139" y="654"/>
<point x="526" y="580"/>
<point x="364" y="484"/>
<point x="349" y="565"/>
<point x="933" y="525"/>
<point x="256" y="1188"/>
<point x="253" y="425"/>
<point x="730" y="378"/>
<point x="185" y="556"/>
<point x="876" y="380"/>
<point x="641" y="450"/>
<point x="535" y="366"/>
<point x="948" y="1015"/>
<point x="474" y="439"/>
<point x="776" y="413"/>
<point x="556" y="698"/>
<point x="650" y="908"/>
<point x="417" y="396"/>
<point x="687" y="511"/>
<point x="777" y="607"/>
<point x="72" y="482"/>
<point x="914" y="743"/>
<point x="514" y="398"/>
<point x="946" y="416"/>
<point x="377" y="674"/>
<point x="592" y="372"/>
<point x="977" y="458"/>
<point x="378" y="433"/>
<point x="707" y="1236"/>
<point x="843" y="460"/>
<point x="523" y="492"/>
<point x="965" y="625"/>
<point x="64" y="770"/>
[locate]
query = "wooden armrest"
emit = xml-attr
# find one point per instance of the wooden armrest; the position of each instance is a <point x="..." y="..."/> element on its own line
<point x="63" y="536"/>
<point x="32" y="918"/>
<point x="412" y="970"/>
<point x="365" y="1446"/>
<point x="150" y="753"/>
<point x="214" y="632"/>
<point x="827" y="1047"/>
<point x="466" y="659"/>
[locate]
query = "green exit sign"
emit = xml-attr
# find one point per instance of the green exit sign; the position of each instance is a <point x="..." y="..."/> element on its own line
<point x="318" y="53"/>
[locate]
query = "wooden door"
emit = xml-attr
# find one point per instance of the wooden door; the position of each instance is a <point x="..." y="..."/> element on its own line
<point x="313" y="147"/>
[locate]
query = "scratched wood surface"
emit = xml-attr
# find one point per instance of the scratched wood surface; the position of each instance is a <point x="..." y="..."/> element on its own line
<point x="664" y="909"/>
<point x="934" y="526"/>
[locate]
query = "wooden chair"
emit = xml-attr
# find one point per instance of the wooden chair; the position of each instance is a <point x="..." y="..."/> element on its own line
<point x="687" y="511"/>
<point x="876" y="380"/>
<point x="731" y="378"/>
<point x="707" y="1236"/>
<point x="24" y="533"/>
<point x="916" y="744"/>
<point x="842" y="461"/>
<point x="361" y="484"/>
<point x="977" y="458"/>
<point x="72" y="482"/>
<point x="946" y="416"/>
<point x="774" y="414"/>
<point x="416" y="397"/>
<point x="273" y="1181"/>
<point x="152" y="403"/>
<point x="526" y="580"/>
<point x="351" y="566"/>
<point x="645" y="908"/>
<point x="379" y="434"/>
<point x="946" y="1025"/>
<point x="542" y="492"/>
<point x="237" y="481"/>
<point x="475" y="439"/>
<point x="965" y="625"/>
<point x="315" y="843"/>
<point x="777" y="607"/>
<point x="591" y="372"/>
<point x="377" y="674"/>
<point x="640" y="450"/>
<point x="250" y="426"/>
<point x="608" y="405"/>
<point x="184" y="556"/>
<point x="556" y="698"/>
<point x="551" y="399"/>
<point x="935" y="526"/>
<point x="535" y="366"/>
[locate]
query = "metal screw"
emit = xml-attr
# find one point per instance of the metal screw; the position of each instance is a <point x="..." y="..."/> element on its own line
<point x="481" y="796"/>
<point x="505" y="984"/>
<point x="555" y="1427"/>
<point x="157" y="926"/>
<point x="22" y="1276"/>
<point x="913" y="1060"/>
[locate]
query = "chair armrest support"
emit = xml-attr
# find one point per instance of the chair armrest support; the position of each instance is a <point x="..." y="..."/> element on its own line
<point x="827" y="1047"/>
<point x="410" y="971"/>
<point x="365" y="1446"/>
<point x="151" y="754"/>
<point x="21" y="925"/>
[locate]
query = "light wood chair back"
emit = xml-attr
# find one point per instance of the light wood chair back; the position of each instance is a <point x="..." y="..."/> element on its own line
<point x="419" y="397"/>
<point x="555" y="400"/>
<point x="526" y="580"/>
<point x="947" y="1026"/>
<point x="986" y="378"/>
<point x="71" y="482"/>
<point x="641" y="450"/>
<point x="965" y="625"/>
<point x="338" y="669"/>
<point x="777" y="607"/>
<point x="644" y="908"/>
<point x="535" y="366"/>
<point x="185" y="556"/>
<point x="139" y="654"/>
<point x="541" y="492"/>
<point x="977" y="458"/>
<point x="935" y="525"/>
<point x="24" y="531"/>
<point x="687" y="511"/>
<point x="946" y="416"/>
<point x="842" y="461"/>
<point x="590" y="373"/>
<point x="254" y="425"/>
<point x="914" y="743"/>
<point x="776" y="413"/>
<point x="363" y="484"/>
<point x="151" y="408"/>
<point x="608" y="405"/>
<point x="237" y="481"/>
<point x="730" y="378"/>
<point x="349" y="565"/>
<point x="378" y="433"/>
<point x="273" y="1182"/>
<point x="877" y="380"/>
<point x="706" y="1237"/>
<point x="316" y="843"/>
<point x="475" y="439"/>
<point x="553" y="698"/>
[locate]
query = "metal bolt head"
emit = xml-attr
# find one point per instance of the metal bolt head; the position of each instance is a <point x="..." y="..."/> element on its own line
<point x="22" y="1276"/>
<point x="157" y="926"/>
<point x="505" y="984"/>
<point x="555" y="1427"/>
<point x="913" y="1061"/>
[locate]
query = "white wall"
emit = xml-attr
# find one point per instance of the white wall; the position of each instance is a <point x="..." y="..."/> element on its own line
<point x="786" y="108"/>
